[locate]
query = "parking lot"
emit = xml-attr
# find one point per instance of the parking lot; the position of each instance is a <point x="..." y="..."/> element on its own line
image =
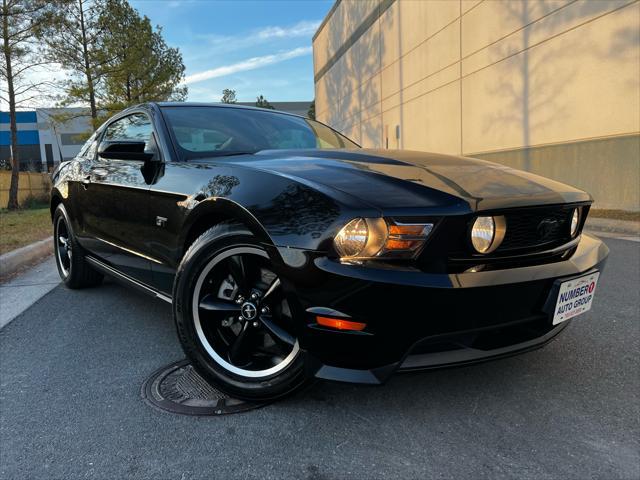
<point x="72" y="367"/>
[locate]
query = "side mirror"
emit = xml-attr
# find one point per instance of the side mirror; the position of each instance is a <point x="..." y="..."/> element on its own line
<point x="124" y="150"/>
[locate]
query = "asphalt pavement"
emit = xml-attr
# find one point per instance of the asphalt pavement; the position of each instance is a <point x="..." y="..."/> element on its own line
<point x="72" y="365"/>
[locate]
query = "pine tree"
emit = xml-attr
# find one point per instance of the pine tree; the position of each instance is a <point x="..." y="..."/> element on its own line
<point x="264" y="103"/>
<point x="228" y="96"/>
<point x="72" y="36"/>
<point x="141" y="66"/>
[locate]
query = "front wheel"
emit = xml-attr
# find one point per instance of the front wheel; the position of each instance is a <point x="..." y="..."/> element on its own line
<point x="233" y="319"/>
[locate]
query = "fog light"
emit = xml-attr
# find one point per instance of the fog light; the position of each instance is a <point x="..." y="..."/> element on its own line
<point x="487" y="233"/>
<point x="575" y="221"/>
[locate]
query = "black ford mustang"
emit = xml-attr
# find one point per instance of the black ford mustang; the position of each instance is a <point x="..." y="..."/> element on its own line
<point x="289" y="253"/>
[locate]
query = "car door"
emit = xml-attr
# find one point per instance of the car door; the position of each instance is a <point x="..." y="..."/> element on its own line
<point x="114" y="197"/>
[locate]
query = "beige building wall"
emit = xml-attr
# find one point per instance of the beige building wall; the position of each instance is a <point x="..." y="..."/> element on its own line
<point x="550" y="86"/>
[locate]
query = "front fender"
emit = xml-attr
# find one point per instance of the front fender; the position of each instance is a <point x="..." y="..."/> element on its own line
<point x="222" y="208"/>
<point x="61" y="189"/>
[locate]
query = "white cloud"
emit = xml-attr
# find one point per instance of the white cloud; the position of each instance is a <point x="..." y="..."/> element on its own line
<point x="249" y="64"/>
<point x="179" y="3"/>
<point x="301" y="29"/>
<point x="223" y="43"/>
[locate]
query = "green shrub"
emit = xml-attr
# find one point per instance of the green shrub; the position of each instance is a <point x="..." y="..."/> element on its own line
<point x="35" y="201"/>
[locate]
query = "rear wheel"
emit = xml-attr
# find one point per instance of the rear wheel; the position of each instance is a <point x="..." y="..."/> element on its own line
<point x="70" y="257"/>
<point x="233" y="317"/>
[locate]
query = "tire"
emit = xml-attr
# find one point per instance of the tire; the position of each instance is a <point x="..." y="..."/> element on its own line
<point x="70" y="256"/>
<point x="233" y="319"/>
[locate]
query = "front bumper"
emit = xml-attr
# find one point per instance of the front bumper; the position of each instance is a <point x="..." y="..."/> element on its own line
<point x="418" y="320"/>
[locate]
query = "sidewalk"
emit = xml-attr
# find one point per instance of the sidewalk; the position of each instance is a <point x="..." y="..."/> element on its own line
<point x="601" y="224"/>
<point x="23" y="291"/>
<point x="610" y="228"/>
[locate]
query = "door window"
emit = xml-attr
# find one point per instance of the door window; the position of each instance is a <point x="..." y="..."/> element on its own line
<point x="133" y="128"/>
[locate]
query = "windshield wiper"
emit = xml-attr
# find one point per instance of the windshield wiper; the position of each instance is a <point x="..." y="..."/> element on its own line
<point x="229" y="154"/>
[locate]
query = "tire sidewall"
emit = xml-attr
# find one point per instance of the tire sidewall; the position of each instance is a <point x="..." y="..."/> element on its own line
<point x="62" y="212"/>
<point x="210" y="245"/>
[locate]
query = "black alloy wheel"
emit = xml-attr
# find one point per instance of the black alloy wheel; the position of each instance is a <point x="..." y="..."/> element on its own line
<point x="234" y="319"/>
<point x="63" y="246"/>
<point x="240" y="315"/>
<point x="70" y="256"/>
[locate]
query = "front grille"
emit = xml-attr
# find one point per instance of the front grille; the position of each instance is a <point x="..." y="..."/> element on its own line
<point x="536" y="227"/>
<point x="533" y="236"/>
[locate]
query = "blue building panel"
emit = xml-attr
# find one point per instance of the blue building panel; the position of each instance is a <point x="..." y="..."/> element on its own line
<point x="25" y="137"/>
<point x="21" y="117"/>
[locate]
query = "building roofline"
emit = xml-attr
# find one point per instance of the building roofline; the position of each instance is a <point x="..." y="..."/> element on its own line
<point x="326" y="19"/>
<point x="363" y="27"/>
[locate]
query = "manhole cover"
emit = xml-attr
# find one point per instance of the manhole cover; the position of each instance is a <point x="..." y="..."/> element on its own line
<point x="178" y="388"/>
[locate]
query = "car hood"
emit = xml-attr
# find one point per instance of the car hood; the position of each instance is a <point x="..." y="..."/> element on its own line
<point x="401" y="179"/>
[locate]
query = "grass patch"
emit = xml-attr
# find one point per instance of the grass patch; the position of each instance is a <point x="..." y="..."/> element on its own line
<point x="22" y="227"/>
<point x="615" y="214"/>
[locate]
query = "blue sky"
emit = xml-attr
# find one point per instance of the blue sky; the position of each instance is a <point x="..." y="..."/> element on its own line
<point x="251" y="46"/>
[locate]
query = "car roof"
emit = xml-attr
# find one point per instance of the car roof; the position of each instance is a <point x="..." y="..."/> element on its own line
<point x="217" y="105"/>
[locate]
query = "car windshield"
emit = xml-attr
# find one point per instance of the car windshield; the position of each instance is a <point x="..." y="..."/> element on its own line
<point x="217" y="131"/>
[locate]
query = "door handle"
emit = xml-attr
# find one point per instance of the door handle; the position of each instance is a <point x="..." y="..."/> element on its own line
<point x="96" y="173"/>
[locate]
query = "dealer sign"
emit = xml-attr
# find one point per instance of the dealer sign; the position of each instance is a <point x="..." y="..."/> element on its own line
<point x="575" y="297"/>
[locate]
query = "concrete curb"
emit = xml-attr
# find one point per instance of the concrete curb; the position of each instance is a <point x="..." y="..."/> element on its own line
<point x="609" y="225"/>
<point x="16" y="260"/>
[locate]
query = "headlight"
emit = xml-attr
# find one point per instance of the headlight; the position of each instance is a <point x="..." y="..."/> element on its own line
<point x="575" y="221"/>
<point x="375" y="237"/>
<point x="487" y="233"/>
<point x="358" y="236"/>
